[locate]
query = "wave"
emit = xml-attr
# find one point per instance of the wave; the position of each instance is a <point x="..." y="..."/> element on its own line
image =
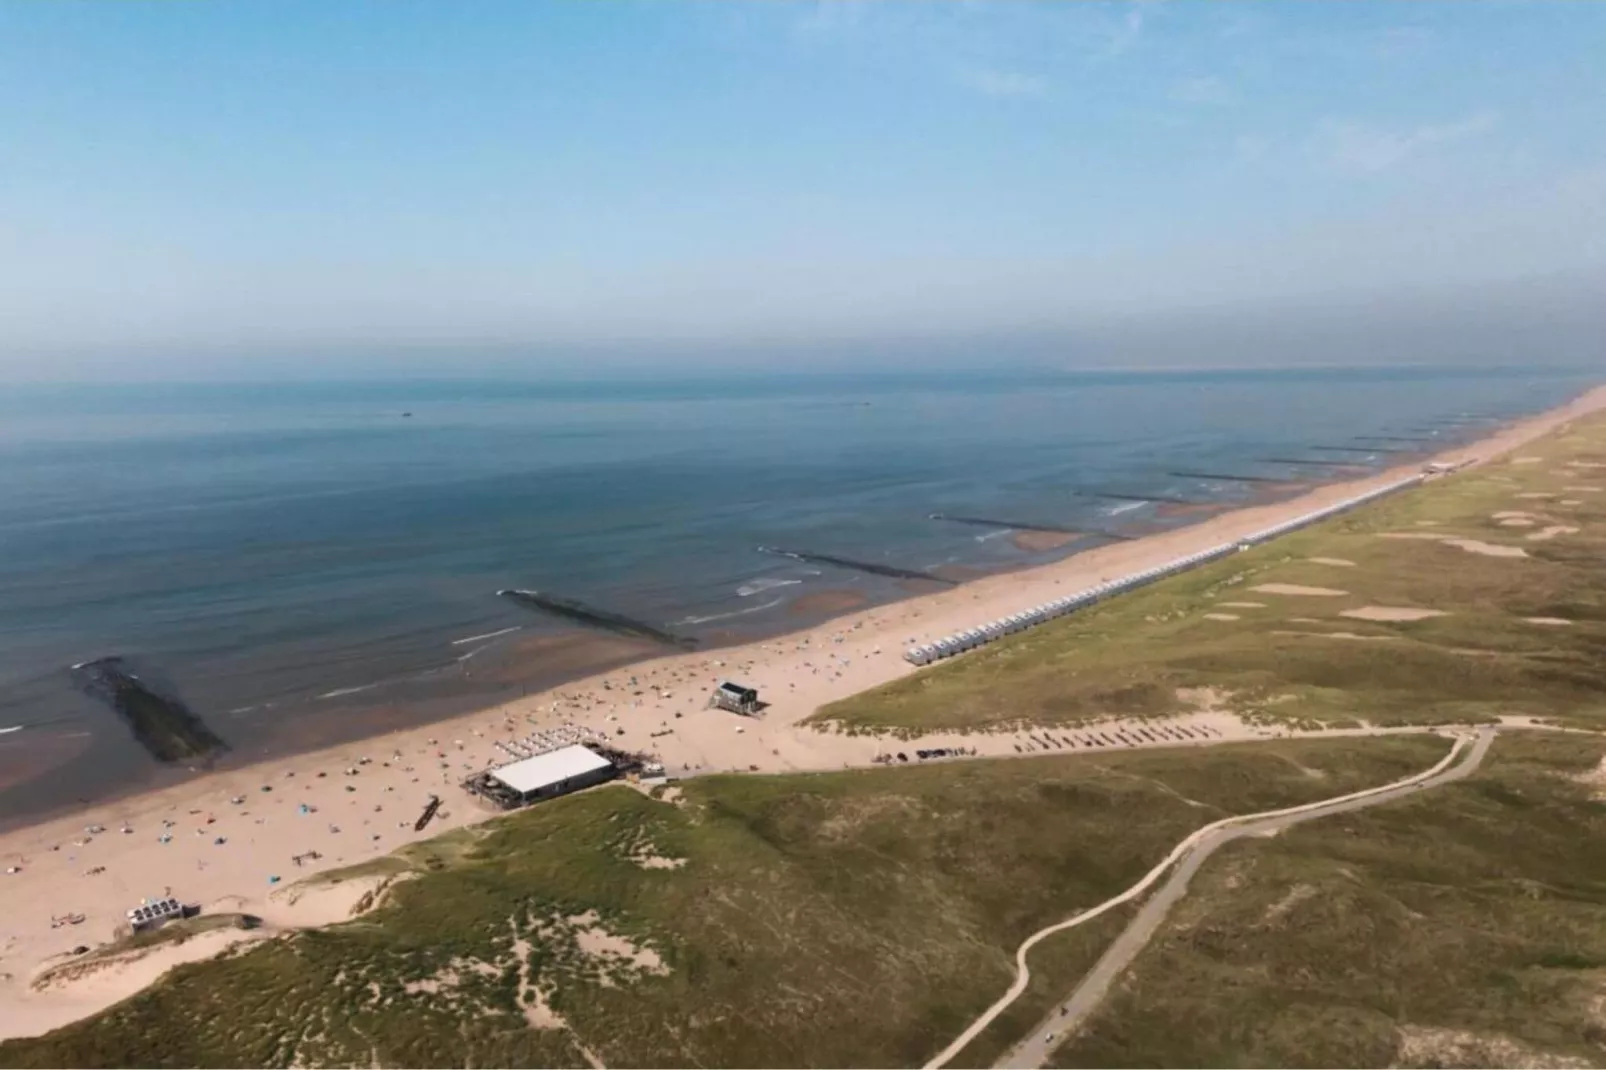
<point x="736" y="613"/>
<point x="764" y="583"/>
<point x="994" y="534"/>
<point x="487" y="635"/>
<point x="13" y="728"/>
<point x="1127" y="508"/>
<point x="337" y="692"/>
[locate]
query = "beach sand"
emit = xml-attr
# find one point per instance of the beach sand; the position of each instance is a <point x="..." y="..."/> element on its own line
<point x="220" y="841"/>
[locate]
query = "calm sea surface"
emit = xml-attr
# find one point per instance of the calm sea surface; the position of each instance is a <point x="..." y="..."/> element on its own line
<point x="305" y="563"/>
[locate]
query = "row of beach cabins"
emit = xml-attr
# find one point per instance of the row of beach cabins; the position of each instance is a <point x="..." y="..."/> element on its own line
<point x="1019" y="622"/>
<point x="543" y="742"/>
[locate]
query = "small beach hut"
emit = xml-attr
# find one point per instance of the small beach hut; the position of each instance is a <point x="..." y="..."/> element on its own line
<point x="735" y="698"/>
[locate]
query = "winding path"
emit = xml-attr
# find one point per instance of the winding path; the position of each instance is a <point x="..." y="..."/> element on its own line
<point x="1192" y="852"/>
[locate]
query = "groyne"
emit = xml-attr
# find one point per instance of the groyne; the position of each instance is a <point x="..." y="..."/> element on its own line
<point x="580" y="613"/>
<point x="169" y="730"/>
<point x="871" y="567"/>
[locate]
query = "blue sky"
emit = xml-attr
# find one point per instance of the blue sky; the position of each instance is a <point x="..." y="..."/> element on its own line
<point x="398" y="184"/>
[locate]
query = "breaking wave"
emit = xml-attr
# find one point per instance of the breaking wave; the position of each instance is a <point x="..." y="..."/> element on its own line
<point x="764" y="583"/>
<point x="337" y="692"/>
<point x="735" y="613"/>
<point x="487" y="635"/>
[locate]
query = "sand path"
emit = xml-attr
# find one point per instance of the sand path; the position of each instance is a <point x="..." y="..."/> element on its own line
<point x="1193" y="852"/>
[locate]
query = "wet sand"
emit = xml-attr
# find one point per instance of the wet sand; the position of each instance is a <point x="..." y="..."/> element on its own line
<point x="824" y="603"/>
<point x="1039" y="541"/>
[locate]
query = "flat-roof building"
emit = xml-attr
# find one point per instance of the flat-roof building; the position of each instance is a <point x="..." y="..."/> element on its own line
<point x="557" y="772"/>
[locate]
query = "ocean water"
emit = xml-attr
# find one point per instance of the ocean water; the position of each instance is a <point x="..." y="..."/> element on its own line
<point x="306" y="563"/>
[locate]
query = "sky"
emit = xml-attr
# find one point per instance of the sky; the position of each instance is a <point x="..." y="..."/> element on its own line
<point x="396" y="187"/>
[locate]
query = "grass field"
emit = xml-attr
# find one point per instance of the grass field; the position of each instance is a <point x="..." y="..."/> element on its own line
<point x="1294" y="658"/>
<point x="857" y="918"/>
<point x="1465" y="926"/>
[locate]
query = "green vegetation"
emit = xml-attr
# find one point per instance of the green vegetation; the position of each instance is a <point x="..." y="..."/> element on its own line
<point x="1465" y="926"/>
<point x="856" y="918"/>
<point x="1295" y="659"/>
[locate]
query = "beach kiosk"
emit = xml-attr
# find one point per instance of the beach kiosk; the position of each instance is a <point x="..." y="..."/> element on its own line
<point x="736" y="698"/>
<point x="153" y="913"/>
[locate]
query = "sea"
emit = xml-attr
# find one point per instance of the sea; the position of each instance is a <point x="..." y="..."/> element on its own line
<point x="308" y="563"/>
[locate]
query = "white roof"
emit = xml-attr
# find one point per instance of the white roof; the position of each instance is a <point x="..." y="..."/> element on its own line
<point x="553" y="767"/>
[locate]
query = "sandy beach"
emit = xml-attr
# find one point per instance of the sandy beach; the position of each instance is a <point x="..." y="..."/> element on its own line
<point x="230" y="840"/>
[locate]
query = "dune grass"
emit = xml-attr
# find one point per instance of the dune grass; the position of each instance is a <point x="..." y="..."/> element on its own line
<point x="1297" y="659"/>
<point x="858" y="918"/>
<point x="1465" y="926"/>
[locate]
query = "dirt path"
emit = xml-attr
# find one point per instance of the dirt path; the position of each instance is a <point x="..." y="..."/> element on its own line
<point x="1191" y="853"/>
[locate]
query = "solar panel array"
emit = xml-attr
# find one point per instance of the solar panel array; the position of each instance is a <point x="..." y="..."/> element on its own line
<point x="1017" y="622"/>
<point x="162" y="908"/>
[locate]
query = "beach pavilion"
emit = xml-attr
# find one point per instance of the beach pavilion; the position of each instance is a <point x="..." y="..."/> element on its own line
<point x="545" y="776"/>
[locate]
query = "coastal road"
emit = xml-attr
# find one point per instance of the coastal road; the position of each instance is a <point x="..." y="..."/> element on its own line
<point x="1187" y="857"/>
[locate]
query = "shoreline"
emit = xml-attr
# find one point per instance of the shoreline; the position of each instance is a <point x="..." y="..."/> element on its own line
<point x="398" y="704"/>
<point x="226" y="839"/>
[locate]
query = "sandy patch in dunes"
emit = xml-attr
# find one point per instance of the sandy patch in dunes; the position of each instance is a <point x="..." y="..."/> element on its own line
<point x="65" y="990"/>
<point x="1294" y="588"/>
<point x="597" y="942"/>
<point x="1427" y="523"/>
<point x="1222" y="616"/>
<point x="1570" y="501"/>
<point x="1582" y="490"/>
<point x="1391" y="613"/>
<point x="1337" y="635"/>
<point x="1551" y="621"/>
<point x="1585" y="464"/>
<point x="1487" y="549"/>
<point x="1421" y="1045"/>
<point x="1471" y="546"/>
<point x="1535" y="495"/>
<point x="317" y="902"/>
<point x="1526" y="460"/>
<point x="1303" y="620"/>
<point x="1551" y="532"/>
<point x="1204" y="699"/>
<point x="1338" y="561"/>
<point x="1035" y="541"/>
<point x="1595" y="778"/>
<point x="1517" y="522"/>
<point x="1244" y="605"/>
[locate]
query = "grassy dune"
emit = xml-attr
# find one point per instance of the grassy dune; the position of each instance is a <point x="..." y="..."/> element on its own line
<point x="857" y="918"/>
<point x="1297" y="659"/>
<point x="1463" y="927"/>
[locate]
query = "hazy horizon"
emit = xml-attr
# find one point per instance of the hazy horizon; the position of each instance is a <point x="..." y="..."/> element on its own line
<point x="415" y="190"/>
